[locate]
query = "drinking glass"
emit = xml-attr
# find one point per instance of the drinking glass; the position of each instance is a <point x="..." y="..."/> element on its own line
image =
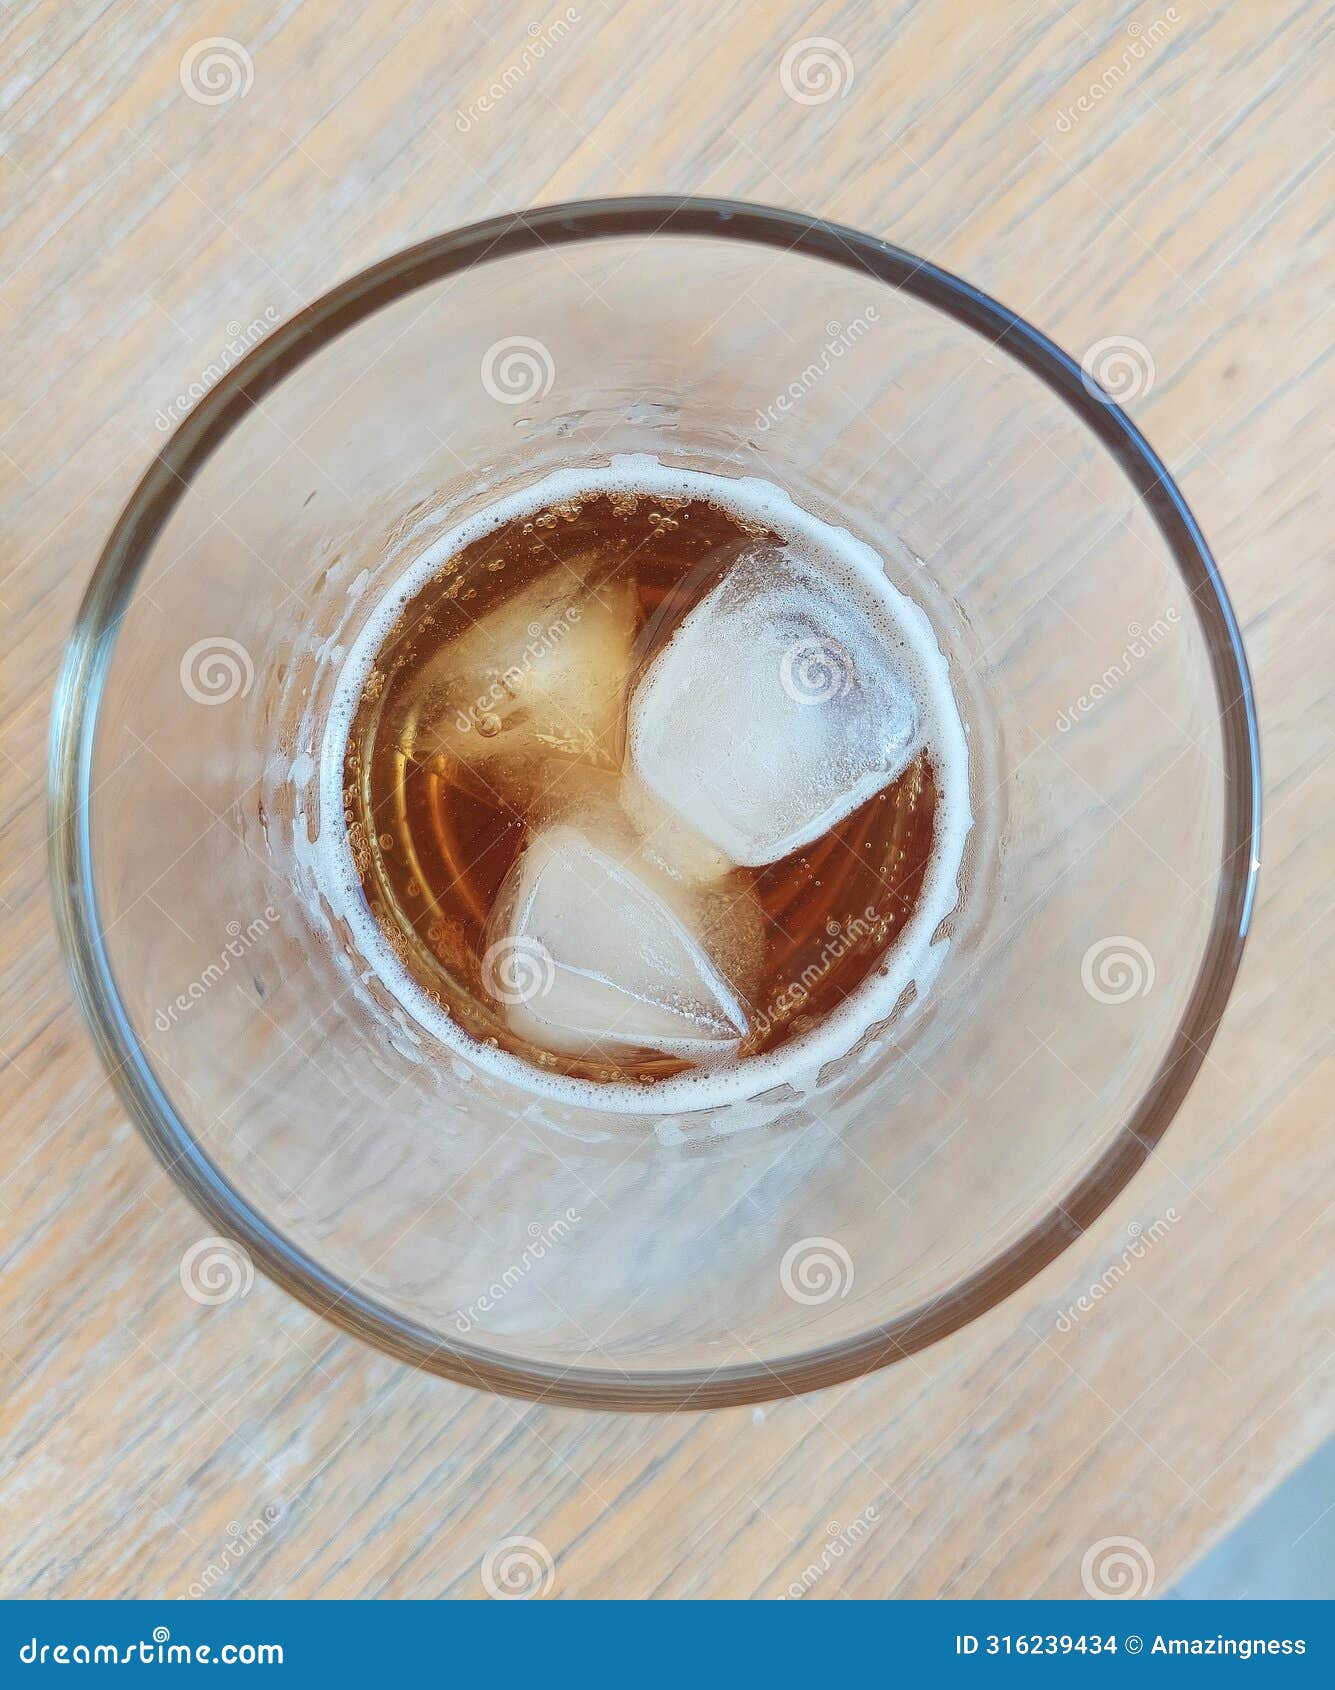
<point x="734" y="1253"/>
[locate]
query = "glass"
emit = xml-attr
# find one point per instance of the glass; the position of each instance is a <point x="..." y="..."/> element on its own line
<point x="746" y="1251"/>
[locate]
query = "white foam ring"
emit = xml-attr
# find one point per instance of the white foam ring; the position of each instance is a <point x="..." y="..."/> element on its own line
<point x="913" y="959"/>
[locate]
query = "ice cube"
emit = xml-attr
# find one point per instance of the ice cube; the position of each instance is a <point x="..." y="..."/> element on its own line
<point x="541" y="678"/>
<point x="592" y="949"/>
<point x="777" y="707"/>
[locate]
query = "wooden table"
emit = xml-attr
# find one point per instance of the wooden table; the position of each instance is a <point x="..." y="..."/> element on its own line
<point x="1147" y="170"/>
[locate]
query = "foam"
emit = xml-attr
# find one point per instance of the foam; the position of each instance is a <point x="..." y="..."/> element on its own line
<point x="916" y="956"/>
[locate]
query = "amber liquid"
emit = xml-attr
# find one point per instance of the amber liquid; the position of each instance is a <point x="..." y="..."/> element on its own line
<point x="434" y="834"/>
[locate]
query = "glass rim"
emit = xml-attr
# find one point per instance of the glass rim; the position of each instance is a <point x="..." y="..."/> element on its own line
<point x="74" y="724"/>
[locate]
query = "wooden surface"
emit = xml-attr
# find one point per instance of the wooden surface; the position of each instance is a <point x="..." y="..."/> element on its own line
<point x="143" y="1435"/>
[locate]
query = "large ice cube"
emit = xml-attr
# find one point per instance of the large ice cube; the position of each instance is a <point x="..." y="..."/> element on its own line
<point x="539" y="679"/>
<point x="593" y="950"/>
<point x="778" y="706"/>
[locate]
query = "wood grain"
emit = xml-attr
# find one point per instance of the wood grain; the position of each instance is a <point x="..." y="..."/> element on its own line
<point x="144" y="1436"/>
